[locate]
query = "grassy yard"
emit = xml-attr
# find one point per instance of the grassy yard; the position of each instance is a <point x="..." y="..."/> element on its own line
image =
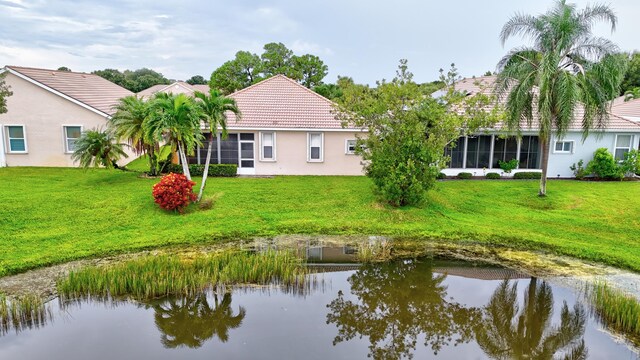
<point x="54" y="215"/>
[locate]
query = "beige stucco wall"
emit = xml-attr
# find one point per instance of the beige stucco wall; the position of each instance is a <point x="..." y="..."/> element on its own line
<point x="43" y="114"/>
<point x="291" y="155"/>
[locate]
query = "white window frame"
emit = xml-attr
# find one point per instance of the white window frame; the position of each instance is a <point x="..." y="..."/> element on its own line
<point x="556" y="151"/>
<point x="346" y="146"/>
<point x="273" y="145"/>
<point x="65" y="138"/>
<point x="628" y="148"/>
<point x="7" y="139"/>
<point x="309" y="159"/>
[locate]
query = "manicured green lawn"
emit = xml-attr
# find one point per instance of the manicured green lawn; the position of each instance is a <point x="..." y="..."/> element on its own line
<point x="53" y="215"/>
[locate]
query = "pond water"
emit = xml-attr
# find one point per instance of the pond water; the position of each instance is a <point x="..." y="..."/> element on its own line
<point x="425" y="308"/>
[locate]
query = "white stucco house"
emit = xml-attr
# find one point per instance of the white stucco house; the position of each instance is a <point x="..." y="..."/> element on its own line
<point x="48" y="110"/>
<point x="479" y="154"/>
<point x="286" y="129"/>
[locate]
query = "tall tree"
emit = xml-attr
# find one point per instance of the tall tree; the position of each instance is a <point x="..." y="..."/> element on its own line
<point x="64" y="68"/>
<point x="5" y="92"/>
<point x="277" y="59"/>
<point x="214" y="108"/>
<point x="113" y="75"/>
<point x="96" y="148"/>
<point x="632" y="75"/>
<point x="128" y="124"/>
<point x="236" y="74"/>
<point x="330" y="91"/>
<point x="564" y="70"/>
<point x="408" y="132"/>
<point x="175" y="119"/>
<point x="144" y="78"/>
<point x="197" y="80"/>
<point x="309" y="70"/>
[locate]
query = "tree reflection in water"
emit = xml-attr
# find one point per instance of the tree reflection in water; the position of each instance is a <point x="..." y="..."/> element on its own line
<point x="510" y="332"/>
<point x="397" y="303"/>
<point x="191" y="320"/>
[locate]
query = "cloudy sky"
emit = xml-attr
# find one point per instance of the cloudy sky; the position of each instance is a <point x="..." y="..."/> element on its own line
<point x="363" y="39"/>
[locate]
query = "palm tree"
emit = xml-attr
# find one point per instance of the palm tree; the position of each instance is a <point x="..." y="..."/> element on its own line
<point x="190" y="321"/>
<point x="98" y="148"/>
<point x="128" y="123"/>
<point x="510" y="332"/>
<point x="176" y="119"/>
<point x="214" y="108"/>
<point x="565" y="70"/>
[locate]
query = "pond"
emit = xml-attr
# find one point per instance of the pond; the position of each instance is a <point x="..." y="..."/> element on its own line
<point x="421" y="308"/>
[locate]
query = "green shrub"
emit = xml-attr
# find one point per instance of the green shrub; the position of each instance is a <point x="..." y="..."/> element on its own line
<point x="578" y="170"/>
<point x="604" y="166"/>
<point x="215" y="170"/>
<point x="631" y="162"/>
<point x="508" y="166"/>
<point x="441" y="176"/>
<point x="173" y="168"/>
<point x="527" y="175"/>
<point x="465" y="175"/>
<point x="492" y="175"/>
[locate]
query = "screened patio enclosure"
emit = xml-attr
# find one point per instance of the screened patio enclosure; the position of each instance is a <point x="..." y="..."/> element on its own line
<point x="237" y="148"/>
<point x="486" y="151"/>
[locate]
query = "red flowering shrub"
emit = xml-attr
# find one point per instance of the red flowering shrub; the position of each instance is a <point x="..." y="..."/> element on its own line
<point x="174" y="192"/>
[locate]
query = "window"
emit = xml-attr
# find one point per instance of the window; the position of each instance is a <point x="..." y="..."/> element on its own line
<point x="456" y="153"/>
<point x="16" y="139"/>
<point x="229" y="150"/>
<point x="478" y="151"/>
<point x="504" y="149"/>
<point x="350" y="147"/>
<point x="529" y="153"/>
<point x="623" y="145"/>
<point x="71" y="134"/>
<point x="267" y="146"/>
<point x="563" y="147"/>
<point x="314" y="142"/>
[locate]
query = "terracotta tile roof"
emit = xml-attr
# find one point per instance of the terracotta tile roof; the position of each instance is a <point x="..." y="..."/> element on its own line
<point x="627" y="109"/>
<point x="485" y="85"/>
<point x="177" y="87"/>
<point x="279" y="102"/>
<point x="88" y="89"/>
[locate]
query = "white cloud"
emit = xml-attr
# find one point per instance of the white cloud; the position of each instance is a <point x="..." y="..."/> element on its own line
<point x="303" y="47"/>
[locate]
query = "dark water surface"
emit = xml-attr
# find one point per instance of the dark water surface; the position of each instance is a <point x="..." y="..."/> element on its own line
<point x="421" y="309"/>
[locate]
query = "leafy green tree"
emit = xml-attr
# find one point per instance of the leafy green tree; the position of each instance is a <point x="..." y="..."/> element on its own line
<point x="510" y="332"/>
<point x="191" y="320"/>
<point x="128" y="124"/>
<point x="176" y="120"/>
<point x="64" y="68"/>
<point x="144" y="78"/>
<point x="408" y="132"/>
<point x="242" y="71"/>
<point x="214" y="108"/>
<point x="96" y="148"/>
<point x="197" y="80"/>
<point x="565" y="69"/>
<point x="113" y="75"/>
<point x="277" y="59"/>
<point x="309" y="70"/>
<point x="632" y="75"/>
<point x="5" y="92"/>
<point x="330" y="91"/>
<point x="632" y="94"/>
<point x="397" y="304"/>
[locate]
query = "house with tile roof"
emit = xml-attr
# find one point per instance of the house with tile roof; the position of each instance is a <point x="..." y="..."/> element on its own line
<point x="629" y="109"/>
<point x="48" y="111"/>
<point x="285" y="129"/>
<point x="480" y="153"/>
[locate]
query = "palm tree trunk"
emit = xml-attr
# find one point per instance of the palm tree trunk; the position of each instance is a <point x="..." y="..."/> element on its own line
<point x="206" y="169"/>
<point x="183" y="160"/>
<point x="546" y="144"/>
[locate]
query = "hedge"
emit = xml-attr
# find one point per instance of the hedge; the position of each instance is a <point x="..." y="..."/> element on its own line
<point x="465" y="175"/>
<point x="215" y="170"/>
<point x="527" y="175"/>
<point x="492" y="175"/>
